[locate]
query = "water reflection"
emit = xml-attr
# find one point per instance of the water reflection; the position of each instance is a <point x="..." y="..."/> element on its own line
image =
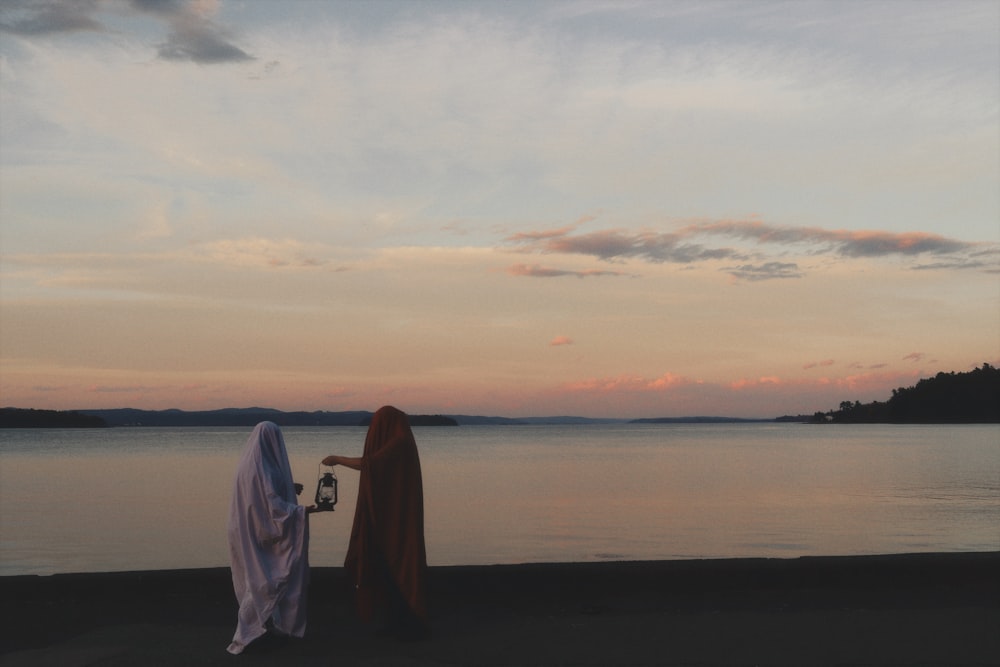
<point x="126" y="499"/>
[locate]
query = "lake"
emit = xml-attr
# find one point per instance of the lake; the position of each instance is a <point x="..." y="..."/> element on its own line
<point x="157" y="498"/>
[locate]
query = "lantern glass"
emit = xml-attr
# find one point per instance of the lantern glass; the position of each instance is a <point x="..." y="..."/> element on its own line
<point x="326" y="489"/>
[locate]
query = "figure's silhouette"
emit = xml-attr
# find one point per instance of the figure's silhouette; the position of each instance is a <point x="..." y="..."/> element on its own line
<point x="386" y="557"/>
<point x="268" y="542"/>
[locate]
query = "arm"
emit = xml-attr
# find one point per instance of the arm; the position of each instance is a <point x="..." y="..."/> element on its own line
<point x="352" y="462"/>
<point x="298" y="491"/>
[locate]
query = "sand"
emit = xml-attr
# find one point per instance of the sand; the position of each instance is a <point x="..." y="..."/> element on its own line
<point x="926" y="609"/>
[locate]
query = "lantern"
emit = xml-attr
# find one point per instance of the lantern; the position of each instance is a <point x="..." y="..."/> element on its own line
<point x="326" y="489"/>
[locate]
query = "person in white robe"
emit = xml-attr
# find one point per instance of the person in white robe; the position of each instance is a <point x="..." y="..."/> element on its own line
<point x="268" y="542"/>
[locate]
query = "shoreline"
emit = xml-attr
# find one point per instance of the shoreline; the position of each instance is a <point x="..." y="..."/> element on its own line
<point x="937" y="608"/>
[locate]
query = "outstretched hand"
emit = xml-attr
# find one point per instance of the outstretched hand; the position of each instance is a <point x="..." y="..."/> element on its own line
<point x="353" y="462"/>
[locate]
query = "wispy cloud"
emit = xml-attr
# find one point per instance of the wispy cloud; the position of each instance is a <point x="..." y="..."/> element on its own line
<point x="617" y="244"/>
<point x="628" y="383"/>
<point x="561" y="340"/>
<point x="849" y="243"/>
<point x="536" y="271"/>
<point x="766" y="271"/>
<point x="33" y="18"/>
<point x="986" y="259"/>
<point x="753" y="383"/>
<point x="193" y="35"/>
<point x="261" y="252"/>
<point x="691" y="244"/>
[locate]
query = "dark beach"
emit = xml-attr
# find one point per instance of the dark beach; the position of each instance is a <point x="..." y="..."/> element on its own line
<point x="926" y="609"/>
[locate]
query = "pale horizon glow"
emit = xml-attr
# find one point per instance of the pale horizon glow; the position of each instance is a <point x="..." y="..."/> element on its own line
<point x="629" y="209"/>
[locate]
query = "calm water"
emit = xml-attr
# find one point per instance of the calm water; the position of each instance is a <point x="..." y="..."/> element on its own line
<point x="136" y="499"/>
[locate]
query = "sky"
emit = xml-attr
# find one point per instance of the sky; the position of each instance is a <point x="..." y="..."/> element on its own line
<point x="606" y="209"/>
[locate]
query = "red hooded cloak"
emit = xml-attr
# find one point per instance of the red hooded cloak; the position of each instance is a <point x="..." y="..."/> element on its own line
<point x="387" y="537"/>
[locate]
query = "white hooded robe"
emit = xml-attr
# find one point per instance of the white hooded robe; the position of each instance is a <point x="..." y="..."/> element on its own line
<point x="268" y="542"/>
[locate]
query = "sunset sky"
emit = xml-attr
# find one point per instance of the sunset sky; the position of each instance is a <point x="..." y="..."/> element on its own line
<point x="598" y="208"/>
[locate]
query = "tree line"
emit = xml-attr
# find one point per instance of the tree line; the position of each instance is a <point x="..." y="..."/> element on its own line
<point x="28" y="418"/>
<point x="946" y="398"/>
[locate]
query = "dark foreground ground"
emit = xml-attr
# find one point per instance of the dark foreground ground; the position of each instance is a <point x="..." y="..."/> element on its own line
<point x="931" y="609"/>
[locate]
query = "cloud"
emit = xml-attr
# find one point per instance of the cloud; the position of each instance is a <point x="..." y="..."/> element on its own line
<point x="986" y="259"/>
<point x="528" y="237"/>
<point x="561" y="340"/>
<point x="766" y="271"/>
<point x="744" y="383"/>
<point x="688" y="245"/>
<point x="193" y="36"/>
<point x="260" y="252"/>
<point x="536" y="271"/>
<point x="914" y="356"/>
<point x="959" y="265"/>
<point x="814" y="364"/>
<point x="628" y="383"/>
<point x="30" y="19"/>
<point x="849" y="243"/>
<point x="616" y="244"/>
<point x="769" y="394"/>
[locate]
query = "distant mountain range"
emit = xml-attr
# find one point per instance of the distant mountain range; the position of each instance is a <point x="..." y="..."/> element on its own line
<point x="251" y="416"/>
<point x="947" y="398"/>
<point x="226" y="417"/>
<point x="22" y="418"/>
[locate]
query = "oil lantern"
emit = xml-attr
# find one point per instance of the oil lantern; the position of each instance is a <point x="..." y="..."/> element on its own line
<point x="326" y="489"/>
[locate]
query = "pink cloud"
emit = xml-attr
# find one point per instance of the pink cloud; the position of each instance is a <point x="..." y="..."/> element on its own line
<point x="561" y="340"/>
<point x="858" y="382"/>
<point x="537" y="271"/>
<point x="744" y="383"/>
<point x="667" y="381"/>
<point x="628" y="383"/>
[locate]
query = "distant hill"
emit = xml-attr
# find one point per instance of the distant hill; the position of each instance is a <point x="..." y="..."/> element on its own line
<point x="472" y="420"/>
<point x="946" y="398"/>
<point x="699" y="420"/>
<point x="249" y="417"/>
<point x="422" y="420"/>
<point x="972" y="397"/>
<point x="21" y="418"/>
<point x="226" y="417"/>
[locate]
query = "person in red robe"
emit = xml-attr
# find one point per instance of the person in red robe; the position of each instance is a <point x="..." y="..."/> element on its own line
<point x="386" y="557"/>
